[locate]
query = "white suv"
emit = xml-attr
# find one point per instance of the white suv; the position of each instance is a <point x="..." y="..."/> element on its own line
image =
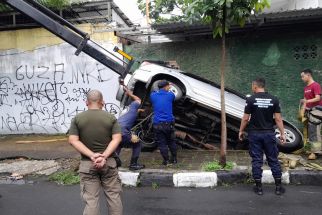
<point x="197" y="109"/>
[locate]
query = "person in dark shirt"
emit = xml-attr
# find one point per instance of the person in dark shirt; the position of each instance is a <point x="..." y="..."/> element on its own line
<point x="262" y="112"/>
<point x="312" y="99"/>
<point x="163" y="122"/>
<point x="126" y="122"/>
<point x="96" y="134"/>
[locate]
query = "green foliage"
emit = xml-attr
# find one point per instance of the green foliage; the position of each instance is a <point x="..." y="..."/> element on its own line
<point x="155" y="186"/>
<point x="4" y="8"/>
<point x="67" y="177"/>
<point x="157" y="8"/>
<point x="221" y="14"/>
<point x="53" y="4"/>
<point x="215" y="165"/>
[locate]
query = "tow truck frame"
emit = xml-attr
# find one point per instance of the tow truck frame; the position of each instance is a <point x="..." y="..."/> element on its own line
<point x="72" y="35"/>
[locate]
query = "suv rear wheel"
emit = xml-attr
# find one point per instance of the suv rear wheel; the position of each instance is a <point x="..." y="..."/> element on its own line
<point x="293" y="139"/>
<point x="175" y="88"/>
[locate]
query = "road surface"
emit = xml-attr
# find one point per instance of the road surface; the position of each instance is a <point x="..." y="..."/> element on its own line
<point x="48" y="198"/>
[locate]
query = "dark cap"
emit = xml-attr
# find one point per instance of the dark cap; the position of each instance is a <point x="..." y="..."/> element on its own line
<point x="163" y="83"/>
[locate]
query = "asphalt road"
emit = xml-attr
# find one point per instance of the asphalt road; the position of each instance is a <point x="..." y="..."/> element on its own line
<point x="50" y="199"/>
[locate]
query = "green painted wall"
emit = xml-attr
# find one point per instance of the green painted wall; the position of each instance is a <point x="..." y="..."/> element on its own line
<point x="277" y="58"/>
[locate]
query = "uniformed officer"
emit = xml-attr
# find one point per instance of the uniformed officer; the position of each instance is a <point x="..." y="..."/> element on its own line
<point x="126" y="122"/>
<point x="163" y="122"/>
<point x="96" y="134"/>
<point x="262" y="111"/>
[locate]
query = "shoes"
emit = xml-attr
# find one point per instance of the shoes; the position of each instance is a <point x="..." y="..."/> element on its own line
<point x="173" y="160"/>
<point x="279" y="190"/>
<point x="136" y="166"/>
<point x="312" y="156"/>
<point x="258" y="189"/>
<point x="166" y="163"/>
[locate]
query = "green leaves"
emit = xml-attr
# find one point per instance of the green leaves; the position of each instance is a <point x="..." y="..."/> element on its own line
<point x="4" y="8"/>
<point x="207" y="11"/>
<point x="53" y="4"/>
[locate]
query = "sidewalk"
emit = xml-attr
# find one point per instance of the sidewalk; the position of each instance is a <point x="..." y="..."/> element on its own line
<point x="188" y="172"/>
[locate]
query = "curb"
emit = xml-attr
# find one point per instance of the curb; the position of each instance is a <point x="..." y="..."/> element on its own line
<point x="163" y="178"/>
<point x="300" y="177"/>
<point x="195" y="179"/>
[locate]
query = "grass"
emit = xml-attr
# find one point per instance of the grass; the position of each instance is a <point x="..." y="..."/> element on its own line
<point x="155" y="185"/>
<point x="67" y="177"/>
<point x="215" y="165"/>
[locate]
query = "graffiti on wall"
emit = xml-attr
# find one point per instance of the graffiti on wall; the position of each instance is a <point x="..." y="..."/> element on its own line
<point x="44" y="98"/>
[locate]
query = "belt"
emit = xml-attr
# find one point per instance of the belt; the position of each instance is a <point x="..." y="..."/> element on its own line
<point x="164" y="123"/>
<point x="261" y="131"/>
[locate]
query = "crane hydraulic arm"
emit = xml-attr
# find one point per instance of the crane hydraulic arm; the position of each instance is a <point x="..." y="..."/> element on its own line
<point x="72" y="35"/>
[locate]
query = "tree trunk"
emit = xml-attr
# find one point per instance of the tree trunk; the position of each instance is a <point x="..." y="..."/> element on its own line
<point x="223" y="142"/>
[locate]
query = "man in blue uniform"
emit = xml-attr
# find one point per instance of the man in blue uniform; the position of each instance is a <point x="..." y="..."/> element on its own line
<point x="126" y="122"/>
<point x="163" y="122"/>
<point x="262" y="112"/>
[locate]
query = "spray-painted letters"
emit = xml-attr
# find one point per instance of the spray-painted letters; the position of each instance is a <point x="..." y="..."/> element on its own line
<point x="44" y="97"/>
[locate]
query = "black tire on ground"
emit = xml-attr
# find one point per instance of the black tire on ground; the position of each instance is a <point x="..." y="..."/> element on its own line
<point x="175" y="88"/>
<point x="293" y="139"/>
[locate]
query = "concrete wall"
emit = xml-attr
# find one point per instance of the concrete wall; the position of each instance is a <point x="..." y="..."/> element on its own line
<point x="43" y="84"/>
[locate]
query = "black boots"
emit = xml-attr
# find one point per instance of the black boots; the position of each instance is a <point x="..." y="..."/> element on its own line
<point x="258" y="189"/>
<point x="172" y="161"/>
<point x="135" y="165"/>
<point x="279" y="189"/>
<point x="166" y="162"/>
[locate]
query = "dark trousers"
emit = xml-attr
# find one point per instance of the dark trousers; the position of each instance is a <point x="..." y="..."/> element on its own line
<point x="126" y="142"/>
<point x="260" y="143"/>
<point x="165" y="138"/>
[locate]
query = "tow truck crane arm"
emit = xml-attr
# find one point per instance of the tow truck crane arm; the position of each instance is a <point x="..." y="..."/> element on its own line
<point x="72" y="35"/>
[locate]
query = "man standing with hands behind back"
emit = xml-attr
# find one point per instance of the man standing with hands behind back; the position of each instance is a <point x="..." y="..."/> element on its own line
<point x="262" y="111"/>
<point x="96" y="135"/>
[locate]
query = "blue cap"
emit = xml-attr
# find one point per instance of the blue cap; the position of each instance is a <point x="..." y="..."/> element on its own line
<point x="163" y="83"/>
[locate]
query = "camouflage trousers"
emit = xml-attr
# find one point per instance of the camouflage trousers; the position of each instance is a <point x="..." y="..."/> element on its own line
<point x="314" y="133"/>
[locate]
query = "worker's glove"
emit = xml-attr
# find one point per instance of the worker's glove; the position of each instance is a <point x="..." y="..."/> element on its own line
<point x="134" y="138"/>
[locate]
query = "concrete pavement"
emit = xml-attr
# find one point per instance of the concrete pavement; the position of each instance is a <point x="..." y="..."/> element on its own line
<point x="188" y="173"/>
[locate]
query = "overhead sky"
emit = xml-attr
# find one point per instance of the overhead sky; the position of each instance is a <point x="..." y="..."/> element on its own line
<point x="131" y="10"/>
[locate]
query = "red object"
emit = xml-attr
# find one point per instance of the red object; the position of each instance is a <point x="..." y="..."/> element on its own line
<point x="310" y="92"/>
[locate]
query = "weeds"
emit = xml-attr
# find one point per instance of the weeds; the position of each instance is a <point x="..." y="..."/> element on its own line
<point x="155" y="185"/>
<point x="67" y="177"/>
<point x="215" y="165"/>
